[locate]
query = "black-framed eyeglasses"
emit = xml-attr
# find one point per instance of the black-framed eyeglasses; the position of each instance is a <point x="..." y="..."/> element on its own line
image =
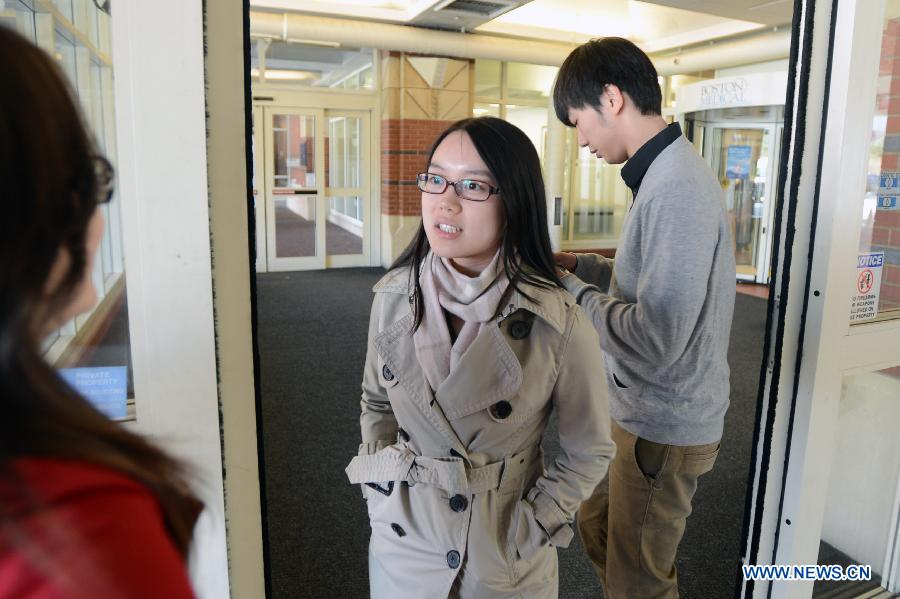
<point x="467" y="189"/>
<point x="105" y="176"/>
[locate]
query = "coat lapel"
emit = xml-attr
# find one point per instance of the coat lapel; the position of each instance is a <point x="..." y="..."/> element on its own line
<point x="396" y="347"/>
<point x="488" y="372"/>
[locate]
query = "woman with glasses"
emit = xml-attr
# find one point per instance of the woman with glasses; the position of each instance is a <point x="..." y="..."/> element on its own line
<point x="87" y="509"/>
<point x="472" y="343"/>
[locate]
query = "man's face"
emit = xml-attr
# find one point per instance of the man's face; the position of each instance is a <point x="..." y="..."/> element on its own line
<point x="598" y="132"/>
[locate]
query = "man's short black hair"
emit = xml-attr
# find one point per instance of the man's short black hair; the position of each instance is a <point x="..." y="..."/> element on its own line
<point x="609" y="61"/>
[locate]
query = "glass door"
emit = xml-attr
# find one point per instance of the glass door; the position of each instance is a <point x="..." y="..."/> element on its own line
<point x="741" y="157"/>
<point x="765" y="246"/>
<point x="347" y="188"/>
<point x="316" y="188"/>
<point x="294" y="146"/>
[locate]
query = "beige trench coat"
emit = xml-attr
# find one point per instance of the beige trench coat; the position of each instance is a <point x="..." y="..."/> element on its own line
<point x="459" y="500"/>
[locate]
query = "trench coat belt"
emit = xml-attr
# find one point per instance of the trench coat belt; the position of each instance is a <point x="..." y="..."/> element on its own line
<point x="399" y="463"/>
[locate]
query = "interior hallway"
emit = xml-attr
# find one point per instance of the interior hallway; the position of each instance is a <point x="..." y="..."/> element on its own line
<point x="312" y="340"/>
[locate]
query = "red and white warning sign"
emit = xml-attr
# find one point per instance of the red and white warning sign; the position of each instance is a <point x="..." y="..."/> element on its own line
<point x="868" y="285"/>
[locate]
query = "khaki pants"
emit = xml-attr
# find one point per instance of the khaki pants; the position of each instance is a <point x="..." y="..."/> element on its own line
<point x="631" y="526"/>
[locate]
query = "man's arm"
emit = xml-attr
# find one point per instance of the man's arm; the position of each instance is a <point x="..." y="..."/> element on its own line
<point x="594" y="269"/>
<point x="678" y="240"/>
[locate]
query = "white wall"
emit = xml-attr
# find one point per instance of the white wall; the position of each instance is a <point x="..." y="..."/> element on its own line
<point x="162" y="177"/>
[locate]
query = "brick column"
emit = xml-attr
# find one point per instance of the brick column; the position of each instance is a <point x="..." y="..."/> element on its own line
<point x="886" y="224"/>
<point x="421" y="96"/>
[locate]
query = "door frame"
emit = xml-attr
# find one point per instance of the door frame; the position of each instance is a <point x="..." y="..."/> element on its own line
<point x="810" y="344"/>
<point x="268" y="95"/>
<point x="365" y="189"/>
<point x="764" y="247"/>
<point x="270" y="191"/>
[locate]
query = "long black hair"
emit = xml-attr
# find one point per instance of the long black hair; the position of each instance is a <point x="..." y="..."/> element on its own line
<point x="49" y="190"/>
<point x="525" y="243"/>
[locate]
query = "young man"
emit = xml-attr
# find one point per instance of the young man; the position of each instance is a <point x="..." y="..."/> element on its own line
<point x="663" y="309"/>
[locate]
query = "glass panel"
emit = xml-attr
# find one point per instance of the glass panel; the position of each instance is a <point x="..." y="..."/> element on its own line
<point x="533" y="121"/>
<point x="599" y="198"/>
<point x="93" y="25"/>
<point x="878" y="274"/>
<point x="343" y="151"/>
<point x="294" y="142"/>
<point x="313" y="66"/>
<point x="742" y="161"/>
<point x="65" y="7"/>
<point x="529" y="81"/>
<point x="65" y="54"/>
<point x="571" y="145"/>
<point x="19" y="17"/>
<point x="487" y="78"/>
<point x="344" y="229"/>
<point x="344" y="155"/>
<point x="93" y="352"/>
<point x="486" y="110"/>
<point x="860" y="524"/>
<point x="295" y="225"/>
<point x="367" y="78"/>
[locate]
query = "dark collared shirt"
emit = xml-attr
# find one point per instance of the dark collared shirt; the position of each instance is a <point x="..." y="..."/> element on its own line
<point x="634" y="170"/>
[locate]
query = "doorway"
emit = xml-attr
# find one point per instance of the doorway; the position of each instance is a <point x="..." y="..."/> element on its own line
<point x="312" y="187"/>
<point x="743" y="156"/>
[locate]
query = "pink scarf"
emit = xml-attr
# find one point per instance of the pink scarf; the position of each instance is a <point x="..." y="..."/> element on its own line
<point x="472" y="299"/>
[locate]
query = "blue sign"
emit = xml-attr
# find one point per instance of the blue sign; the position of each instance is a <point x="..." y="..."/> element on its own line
<point x="870" y="260"/>
<point x="737" y="164"/>
<point x="106" y="387"/>
<point x="890" y="181"/>
<point x="887" y="202"/>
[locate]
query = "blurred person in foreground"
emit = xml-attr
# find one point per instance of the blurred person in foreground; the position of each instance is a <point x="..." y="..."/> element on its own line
<point x="87" y="509"/>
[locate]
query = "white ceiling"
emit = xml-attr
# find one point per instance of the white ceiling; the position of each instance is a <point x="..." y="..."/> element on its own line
<point x="655" y="25"/>
<point x="769" y="12"/>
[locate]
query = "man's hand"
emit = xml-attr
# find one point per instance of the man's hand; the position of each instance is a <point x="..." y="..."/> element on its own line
<point x="566" y="259"/>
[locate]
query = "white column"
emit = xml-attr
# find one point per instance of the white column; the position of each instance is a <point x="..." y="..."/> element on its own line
<point x="162" y="178"/>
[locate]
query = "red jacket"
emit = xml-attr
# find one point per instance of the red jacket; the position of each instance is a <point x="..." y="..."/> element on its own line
<point x="98" y="534"/>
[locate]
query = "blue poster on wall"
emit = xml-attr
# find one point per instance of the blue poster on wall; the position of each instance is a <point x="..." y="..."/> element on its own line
<point x="105" y="387"/>
<point x="737" y="164"/>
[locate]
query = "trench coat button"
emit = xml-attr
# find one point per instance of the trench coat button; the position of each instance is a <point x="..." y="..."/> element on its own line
<point x="453" y="559"/>
<point x="386" y="373"/>
<point x="501" y="409"/>
<point x="520" y="329"/>
<point x="458" y="503"/>
<point x="398" y="529"/>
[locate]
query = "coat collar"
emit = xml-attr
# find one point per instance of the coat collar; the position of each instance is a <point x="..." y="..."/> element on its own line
<point x="548" y="304"/>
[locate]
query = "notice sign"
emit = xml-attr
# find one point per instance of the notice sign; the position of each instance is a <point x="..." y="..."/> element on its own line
<point x="105" y="387"/>
<point x="868" y="285"/>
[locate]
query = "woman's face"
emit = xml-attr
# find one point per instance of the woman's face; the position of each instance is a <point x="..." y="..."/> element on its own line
<point x="466" y="232"/>
<point x="84" y="296"/>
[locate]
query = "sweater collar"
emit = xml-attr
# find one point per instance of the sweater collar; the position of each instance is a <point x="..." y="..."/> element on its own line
<point x="634" y="170"/>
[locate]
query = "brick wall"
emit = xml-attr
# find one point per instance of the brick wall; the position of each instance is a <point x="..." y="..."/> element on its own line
<point x="421" y="97"/>
<point x="886" y="225"/>
<point x="405" y="144"/>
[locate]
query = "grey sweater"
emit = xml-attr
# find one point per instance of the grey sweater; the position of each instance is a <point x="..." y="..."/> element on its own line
<point x="663" y="308"/>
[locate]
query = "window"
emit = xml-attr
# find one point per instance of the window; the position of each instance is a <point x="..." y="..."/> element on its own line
<point x="312" y="66"/>
<point x="877" y="293"/>
<point x="595" y="198"/>
<point x="93" y="352"/>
